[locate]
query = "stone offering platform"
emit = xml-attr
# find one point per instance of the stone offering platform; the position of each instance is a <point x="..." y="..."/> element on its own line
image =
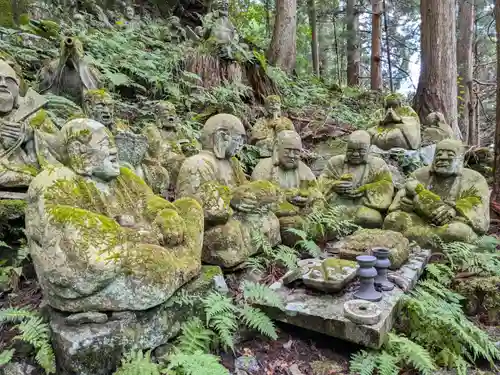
<point x="324" y="313"/>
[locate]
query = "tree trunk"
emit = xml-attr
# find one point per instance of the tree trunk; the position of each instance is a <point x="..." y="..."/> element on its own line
<point x="353" y="54"/>
<point x="465" y="67"/>
<point x="388" y="46"/>
<point x="495" y="195"/>
<point x="323" y="46"/>
<point x="376" y="71"/>
<point x="314" y="36"/>
<point x="437" y="84"/>
<point x="282" y="51"/>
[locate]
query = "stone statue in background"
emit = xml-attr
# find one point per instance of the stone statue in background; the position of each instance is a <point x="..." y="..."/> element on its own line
<point x="359" y="181"/>
<point x="177" y="32"/>
<point x="69" y="75"/>
<point x="444" y="200"/>
<point x="235" y="211"/>
<point x="435" y="129"/>
<point x="98" y="105"/>
<point x="99" y="238"/>
<point x="300" y="193"/>
<point x="263" y="133"/>
<point x="399" y="127"/>
<point x="24" y="148"/>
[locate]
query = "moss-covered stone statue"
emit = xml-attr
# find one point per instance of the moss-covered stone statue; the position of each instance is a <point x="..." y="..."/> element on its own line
<point x="481" y="160"/>
<point x="99" y="238"/>
<point x="69" y="75"/>
<point x="263" y="134"/>
<point x="435" y="129"/>
<point x="98" y="105"/>
<point x="236" y="212"/>
<point x="359" y="181"/>
<point x="399" y="127"/>
<point x="299" y="188"/>
<point x="443" y="199"/>
<point x="24" y="145"/>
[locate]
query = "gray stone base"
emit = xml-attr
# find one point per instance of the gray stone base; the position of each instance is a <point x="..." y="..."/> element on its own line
<point x="323" y="313"/>
<point x="97" y="348"/>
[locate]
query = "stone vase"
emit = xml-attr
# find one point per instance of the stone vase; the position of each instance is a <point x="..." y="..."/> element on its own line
<point x="367" y="274"/>
<point x="383" y="263"/>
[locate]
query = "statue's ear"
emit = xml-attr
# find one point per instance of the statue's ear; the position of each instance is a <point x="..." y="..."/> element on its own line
<point x="222" y="139"/>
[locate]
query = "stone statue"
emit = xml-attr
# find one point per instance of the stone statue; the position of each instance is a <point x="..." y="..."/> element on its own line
<point x="359" y="181"/>
<point x="98" y="105"/>
<point x="443" y="199"/>
<point x="300" y="191"/>
<point x="399" y="128"/>
<point x="99" y="238"/>
<point x="235" y="211"/>
<point x="263" y="133"/>
<point x="70" y="75"/>
<point x="177" y="32"/>
<point x="436" y="129"/>
<point x="23" y="147"/>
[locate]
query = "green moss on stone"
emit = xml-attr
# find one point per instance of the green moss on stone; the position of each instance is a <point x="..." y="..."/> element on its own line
<point x="11" y="209"/>
<point x="6" y="13"/>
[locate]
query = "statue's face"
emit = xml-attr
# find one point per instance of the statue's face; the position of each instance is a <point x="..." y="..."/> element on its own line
<point x="129" y="12"/>
<point x="9" y="88"/>
<point x="391" y="116"/>
<point x="167" y="119"/>
<point x="357" y="153"/>
<point x="289" y="156"/>
<point x="102" y="111"/>
<point x="274" y="107"/>
<point x="227" y="144"/>
<point x="446" y="162"/>
<point x="102" y="156"/>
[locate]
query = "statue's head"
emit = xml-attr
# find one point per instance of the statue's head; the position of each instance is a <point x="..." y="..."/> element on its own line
<point x="166" y="115"/>
<point x="358" y="146"/>
<point x="392" y="101"/>
<point x="223" y="134"/>
<point x="153" y="135"/>
<point x="273" y="104"/>
<point x="174" y="21"/>
<point x="448" y="158"/>
<point x="434" y="119"/>
<point x="71" y="51"/>
<point x="9" y="88"/>
<point x="89" y="149"/>
<point x="99" y="106"/>
<point x="288" y="149"/>
<point x="129" y="12"/>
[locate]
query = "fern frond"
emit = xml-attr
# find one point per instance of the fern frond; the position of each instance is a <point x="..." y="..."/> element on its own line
<point x="6" y="356"/>
<point x="196" y="364"/>
<point x="256" y="319"/>
<point x="440" y="273"/>
<point x="261" y="294"/>
<point x="138" y="363"/>
<point x="363" y="363"/>
<point x="298" y="232"/>
<point x="15" y="315"/>
<point x="194" y="337"/>
<point x="412" y="354"/>
<point x="216" y="304"/>
<point x="387" y="364"/>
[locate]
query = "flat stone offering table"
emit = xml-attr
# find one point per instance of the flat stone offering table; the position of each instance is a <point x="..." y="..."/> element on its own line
<point x="324" y="313"/>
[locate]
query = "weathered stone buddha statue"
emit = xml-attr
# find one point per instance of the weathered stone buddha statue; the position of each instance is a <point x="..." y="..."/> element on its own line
<point x="263" y="133"/>
<point x="69" y="75"/>
<point x="98" y="105"/>
<point x="177" y="32"/>
<point x="359" y="181"/>
<point x="298" y="183"/>
<point x="435" y="129"/>
<point x="235" y="211"/>
<point x="399" y="127"/>
<point x="23" y="147"/>
<point x="99" y="238"/>
<point x="443" y="199"/>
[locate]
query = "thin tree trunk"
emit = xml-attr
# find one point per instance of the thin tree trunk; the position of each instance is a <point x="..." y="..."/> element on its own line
<point x="387" y="46"/>
<point x="495" y="195"/>
<point x="353" y="54"/>
<point x="376" y="71"/>
<point x="437" y="84"/>
<point x="283" y="48"/>
<point x="314" y="36"/>
<point x="268" y="16"/>
<point x="337" y="55"/>
<point x="323" y="46"/>
<point x="465" y="67"/>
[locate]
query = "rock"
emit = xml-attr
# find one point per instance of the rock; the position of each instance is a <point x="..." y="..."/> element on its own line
<point x="362" y="312"/>
<point x="220" y="284"/>
<point x="18" y="368"/>
<point x="248" y="364"/>
<point x="294" y="370"/>
<point x="96" y="349"/>
<point x="86" y="318"/>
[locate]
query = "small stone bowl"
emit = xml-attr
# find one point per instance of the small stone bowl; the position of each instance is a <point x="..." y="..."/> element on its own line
<point x="362" y="312"/>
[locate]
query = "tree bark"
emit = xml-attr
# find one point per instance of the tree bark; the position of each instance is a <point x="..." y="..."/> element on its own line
<point x="353" y="54"/>
<point x="388" y="46"/>
<point x="437" y="84"/>
<point x="323" y="45"/>
<point x="283" y="47"/>
<point x="465" y="65"/>
<point x="314" y="36"/>
<point x="376" y="71"/>
<point x="495" y="195"/>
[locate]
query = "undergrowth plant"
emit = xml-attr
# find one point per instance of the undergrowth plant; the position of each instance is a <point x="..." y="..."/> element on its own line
<point x="32" y="330"/>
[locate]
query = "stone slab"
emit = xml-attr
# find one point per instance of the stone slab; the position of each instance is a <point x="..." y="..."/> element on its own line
<point x="323" y="313"/>
<point x="13" y="195"/>
<point x="97" y="348"/>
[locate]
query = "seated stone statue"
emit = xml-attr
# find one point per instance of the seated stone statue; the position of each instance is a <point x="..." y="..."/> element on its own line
<point x="24" y="148"/>
<point x="233" y="208"/>
<point x="359" y="181"/>
<point x="263" y="133"/>
<point x="99" y="238"/>
<point x="435" y="129"/>
<point x="69" y="75"/>
<point x="444" y="200"/>
<point x="177" y="32"/>
<point x="298" y="183"/>
<point x="400" y="127"/>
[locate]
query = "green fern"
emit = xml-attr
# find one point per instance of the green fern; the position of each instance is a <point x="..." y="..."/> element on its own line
<point x="256" y="319"/>
<point x="363" y="363"/>
<point x="261" y="294"/>
<point x="305" y="242"/>
<point x="195" y="364"/>
<point x="220" y="315"/>
<point x="194" y="337"/>
<point x="6" y="356"/>
<point x="138" y="363"/>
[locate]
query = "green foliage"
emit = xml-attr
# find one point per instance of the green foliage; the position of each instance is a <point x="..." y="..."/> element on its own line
<point x="194" y="364"/>
<point x="34" y="331"/>
<point x="331" y="221"/>
<point x="10" y="274"/>
<point x="138" y="363"/>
